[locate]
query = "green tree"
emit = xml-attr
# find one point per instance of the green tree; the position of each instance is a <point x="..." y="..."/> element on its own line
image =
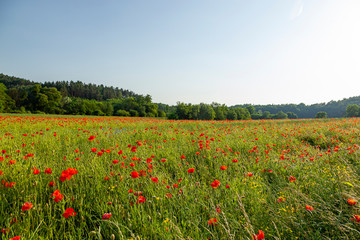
<point x="206" y="112"/>
<point x="220" y="111"/>
<point x="266" y="115"/>
<point x="231" y="115"/>
<point x="291" y="115"/>
<point x="183" y="110"/>
<point x="242" y="113"/>
<point x="321" y="115"/>
<point x="280" y="115"/>
<point x="251" y="109"/>
<point x="353" y="110"/>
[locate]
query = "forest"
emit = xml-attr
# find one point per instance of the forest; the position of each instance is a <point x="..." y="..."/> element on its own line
<point x="18" y="95"/>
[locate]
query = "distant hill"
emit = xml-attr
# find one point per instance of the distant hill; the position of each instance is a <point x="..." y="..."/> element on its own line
<point x="72" y="89"/>
<point x="334" y="109"/>
<point x="18" y="95"/>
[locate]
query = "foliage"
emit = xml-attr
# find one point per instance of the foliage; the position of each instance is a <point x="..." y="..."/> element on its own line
<point x="321" y="115"/>
<point x="353" y="110"/>
<point x="132" y="178"/>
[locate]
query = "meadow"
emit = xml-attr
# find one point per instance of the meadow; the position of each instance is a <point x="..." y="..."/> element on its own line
<point x="144" y="178"/>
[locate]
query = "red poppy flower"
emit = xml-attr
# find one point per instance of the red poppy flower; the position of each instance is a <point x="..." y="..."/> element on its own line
<point x="36" y="171"/>
<point x="356" y="218"/>
<point x="310" y="208"/>
<point x="106" y="216"/>
<point x="141" y="199"/>
<point x="182" y="157"/>
<point x="15" y="238"/>
<point x="292" y="179"/>
<point x="52" y="184"/>
<point x="259" y="236"/>
<point x="67" y="174"/>
<point x="155" y="179"/>
<point x="26" y="206"/>
<point x="215" y="184"/>
<point x="223" y="167"/>
<point x="94" y="149"/>
<point x="351" y="201"/>
<point x="48" y="171"/>
<point x="91" y="138"/>
<point x="57" y="196"/>
<point x="212" y="221"/>
<point x="69" y="212"/>
<point x="191" y="170"/>
<point x="134" y="174"/>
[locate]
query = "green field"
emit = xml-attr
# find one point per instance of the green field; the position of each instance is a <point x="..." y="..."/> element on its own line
<point x="138" y="178"/>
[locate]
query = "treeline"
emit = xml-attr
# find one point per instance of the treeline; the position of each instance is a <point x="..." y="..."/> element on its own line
<point x="23" y="96"/>
<point x="202" y="111"/>
<point x="19" y="95"/>
<point x="334" y="109"/>
<point x="72" y="89"/>
<point x="217" y="111"/>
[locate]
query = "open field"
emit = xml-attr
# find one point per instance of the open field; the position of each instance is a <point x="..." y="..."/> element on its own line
<point x="134" y="178"/>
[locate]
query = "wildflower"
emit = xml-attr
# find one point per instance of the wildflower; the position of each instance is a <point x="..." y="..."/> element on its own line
<point x="351" y="201"/>
<point x="215" y="184"/>
<point x="292" y="179"/>
<point x="191" y="170"/>
<point x="91" y="138"/>
<point x="155" y="179"/>
<point x="106" y="216"/>
<point x="57" y="196"/>
<point x="134" y="174"/>
<point x="259" y="236"/>
<point x="93" y="149"/>
<point x="67" y="174"/>
<point x="48" y="171"/>
<point x="26" y="206"/>
<point x="356" y="218"/>
<point x="36" y="171"/>
<point x="69" y="212"/>
<point x="141" y="199"/>
<point x="15" y="238"/>
<point x="52" y="184"/>
<point x="212" y="221"/>
<point x="310" y="208"/>
<point x="223" y="167"/>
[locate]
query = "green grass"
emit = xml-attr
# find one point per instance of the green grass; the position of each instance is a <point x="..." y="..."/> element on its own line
<point x="322" y="155"/>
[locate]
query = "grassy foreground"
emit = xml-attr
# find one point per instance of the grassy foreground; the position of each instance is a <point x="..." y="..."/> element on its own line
<point x="114" y="178"/>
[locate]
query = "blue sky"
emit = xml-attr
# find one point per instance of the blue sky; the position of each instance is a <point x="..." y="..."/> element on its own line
<point x="232" y="52"/>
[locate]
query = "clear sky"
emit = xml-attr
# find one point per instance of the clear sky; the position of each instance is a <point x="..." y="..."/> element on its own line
<point x="227" y="51"/>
